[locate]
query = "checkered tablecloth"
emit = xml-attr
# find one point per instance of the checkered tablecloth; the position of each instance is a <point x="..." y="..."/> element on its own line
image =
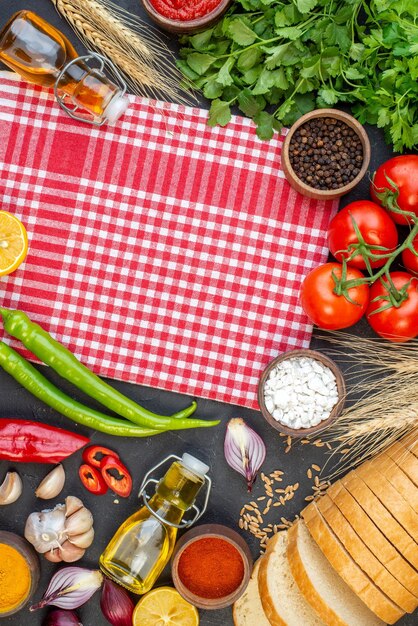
<point x="162" y="251"/>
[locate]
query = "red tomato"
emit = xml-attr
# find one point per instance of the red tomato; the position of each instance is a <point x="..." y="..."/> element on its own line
<point x="396" y="323"/>
<point x="409" y="259"/>
<point x="376" y="228"/>
<point x="324" y="307"/>
<point x="93" y="455"/>
<point x="116" y="476"/>
<point x="403" y="172"/>
<point x="92" y="480"/>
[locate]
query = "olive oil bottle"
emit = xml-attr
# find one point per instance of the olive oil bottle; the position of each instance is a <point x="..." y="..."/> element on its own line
<point x="41" y="54"/>
<point x="140" y="549"/>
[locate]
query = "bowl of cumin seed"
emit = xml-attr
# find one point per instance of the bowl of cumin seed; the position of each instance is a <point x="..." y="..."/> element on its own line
<point x="325" y="154"/>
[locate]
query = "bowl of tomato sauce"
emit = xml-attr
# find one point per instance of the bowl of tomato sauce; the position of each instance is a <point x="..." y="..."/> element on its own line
<point x="185" y="16"/>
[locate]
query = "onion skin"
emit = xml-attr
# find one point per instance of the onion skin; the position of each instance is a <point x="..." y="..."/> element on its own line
<point x="116" y="604"/>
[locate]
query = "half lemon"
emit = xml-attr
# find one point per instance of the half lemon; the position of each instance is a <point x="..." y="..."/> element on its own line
<point x="164" y="606"/>
<point x="13" y="243"/>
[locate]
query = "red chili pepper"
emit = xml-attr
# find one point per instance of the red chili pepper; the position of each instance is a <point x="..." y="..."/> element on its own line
<point x="120" y="484"/>
<point x="34" y="442"/>
<point x="93" y="455"/>
<point x="92" y="479"/>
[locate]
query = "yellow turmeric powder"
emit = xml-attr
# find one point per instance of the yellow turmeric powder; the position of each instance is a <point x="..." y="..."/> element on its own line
<point x="15" y="578"/>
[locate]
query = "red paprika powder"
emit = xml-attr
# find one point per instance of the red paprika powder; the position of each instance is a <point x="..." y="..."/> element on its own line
<point x="184" y="10"/>
<point x="211" y="568"/>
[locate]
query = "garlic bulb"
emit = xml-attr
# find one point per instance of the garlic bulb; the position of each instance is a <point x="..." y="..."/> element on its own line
<point x="62" y="533"/>
<point x="52" y="484"/>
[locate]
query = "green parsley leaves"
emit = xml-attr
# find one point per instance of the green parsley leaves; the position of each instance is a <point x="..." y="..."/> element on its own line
<point x="278" y="59"/>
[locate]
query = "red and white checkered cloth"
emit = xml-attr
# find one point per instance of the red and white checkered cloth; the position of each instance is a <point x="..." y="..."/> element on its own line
<point x="162" y="251"/>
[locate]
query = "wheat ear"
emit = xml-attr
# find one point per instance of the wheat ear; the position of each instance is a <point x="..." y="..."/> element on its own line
<point x="131" y="44"/>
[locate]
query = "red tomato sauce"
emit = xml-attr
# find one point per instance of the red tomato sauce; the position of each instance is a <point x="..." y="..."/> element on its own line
<point x="184" y="10"/>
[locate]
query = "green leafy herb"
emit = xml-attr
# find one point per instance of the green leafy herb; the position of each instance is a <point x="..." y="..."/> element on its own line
<point x="278" y="59"/>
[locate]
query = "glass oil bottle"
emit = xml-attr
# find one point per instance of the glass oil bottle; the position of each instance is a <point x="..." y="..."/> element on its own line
<point x="41" y="54"/>
<point x="140" y="549"/>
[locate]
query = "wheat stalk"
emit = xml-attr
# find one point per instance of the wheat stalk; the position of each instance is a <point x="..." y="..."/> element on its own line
<point x="387" y="406"/>
<point x="132" y="45"/>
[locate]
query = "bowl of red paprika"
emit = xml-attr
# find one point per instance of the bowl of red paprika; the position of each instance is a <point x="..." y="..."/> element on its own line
<point x="211" y="566"/>
<point x="185" y="16"/>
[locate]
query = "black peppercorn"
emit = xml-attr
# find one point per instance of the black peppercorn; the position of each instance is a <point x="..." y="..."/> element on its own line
<point x="334" y="156"/>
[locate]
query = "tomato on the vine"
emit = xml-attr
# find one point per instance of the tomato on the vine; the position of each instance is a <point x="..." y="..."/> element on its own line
<point x="395" y="184"/>
<point x="376" y="228"/>
<point x="324" y="307"/>
<point x="409" y="259"/>
<point x="396" y="323"/>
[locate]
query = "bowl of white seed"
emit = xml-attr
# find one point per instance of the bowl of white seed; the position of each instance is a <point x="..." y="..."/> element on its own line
<point x="301" y="392"/>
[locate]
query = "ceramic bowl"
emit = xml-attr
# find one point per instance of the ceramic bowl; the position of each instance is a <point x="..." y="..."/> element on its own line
<point x="30" y="556"/>
<point x="185" y="26"/>
<point x="325" y="194"/>
<point x="303" y="432"/>
<point x="218" y="531"/>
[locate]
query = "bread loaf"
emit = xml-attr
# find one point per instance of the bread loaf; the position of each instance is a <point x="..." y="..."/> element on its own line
<point x="373" y="537"/>
<point x="327" y="593"/>
<point x="398" y="477"/>
<point x="364" y="557"/>
<point x="347" y="568"/>
<point x="390" y="498"/>
<point x="406" y="460"/>
<point x="380" y="515"/>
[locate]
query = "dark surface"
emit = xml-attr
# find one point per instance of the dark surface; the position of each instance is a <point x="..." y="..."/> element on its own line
<point x="229" y="493"/>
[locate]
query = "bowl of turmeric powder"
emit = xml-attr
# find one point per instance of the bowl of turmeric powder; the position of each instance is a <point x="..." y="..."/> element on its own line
<point x="19" y="573"/>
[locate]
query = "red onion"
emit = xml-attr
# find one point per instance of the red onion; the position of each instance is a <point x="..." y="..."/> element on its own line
<point x="70" y="587"/>
<point x="58" y="617"/>
<point x="244" y="449"/>
<point x="116" y="604"/>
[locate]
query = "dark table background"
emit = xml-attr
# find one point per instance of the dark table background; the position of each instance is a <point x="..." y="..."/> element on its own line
<point x="229" y="492"/>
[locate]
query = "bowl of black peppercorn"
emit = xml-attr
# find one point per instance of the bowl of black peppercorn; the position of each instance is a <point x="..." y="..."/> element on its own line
<point x="325" y="154"/>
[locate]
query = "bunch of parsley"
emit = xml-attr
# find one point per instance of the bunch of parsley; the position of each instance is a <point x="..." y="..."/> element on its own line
<point x="278" y="59"/>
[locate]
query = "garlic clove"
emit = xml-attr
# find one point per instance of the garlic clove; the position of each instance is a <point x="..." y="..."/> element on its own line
<point x="54" y="556"/>
<point x="70" y="553"/>
<point x="11" y="488"/>
<point x="79" y="522"/>
<point x="72" y="504"/>
<point x="52" y="484"/>
<point x="84" y="540"/>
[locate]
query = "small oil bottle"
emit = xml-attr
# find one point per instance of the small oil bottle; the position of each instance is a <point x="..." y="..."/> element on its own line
<point x="41" y="54"/>
<point x="140" y="549"/>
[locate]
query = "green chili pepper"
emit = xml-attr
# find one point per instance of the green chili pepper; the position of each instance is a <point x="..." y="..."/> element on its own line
<point x="32" y="380"/>
<point x="64" y="362"/>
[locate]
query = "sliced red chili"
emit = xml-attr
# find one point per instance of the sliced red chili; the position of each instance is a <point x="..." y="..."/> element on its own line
<point x="92" y="480"/>
<point x="116" y="476"/>
<point x="94" y="455"/>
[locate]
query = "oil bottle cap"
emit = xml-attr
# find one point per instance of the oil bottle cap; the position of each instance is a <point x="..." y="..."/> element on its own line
<point x="116" y="108"/>
<point x="194" y="465"/>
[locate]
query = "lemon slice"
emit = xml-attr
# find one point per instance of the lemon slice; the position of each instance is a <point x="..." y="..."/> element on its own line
<point x="13" y="243"/>
<point x="164" y="606"/>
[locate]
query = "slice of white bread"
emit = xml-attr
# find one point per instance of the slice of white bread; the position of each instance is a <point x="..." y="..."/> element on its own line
<point x="379" y="514"/>
<point x="282" y="601"/>
<point x="406" y="460"/>
<point x="390" y="498"/>
<point x="399" y="477"/>
<point x="325" y="590"/>
<point x="348" y="569"/>
<point x="248" y="610"/>
<point x="364" y="557"/>
<point x="372" y="536"/>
